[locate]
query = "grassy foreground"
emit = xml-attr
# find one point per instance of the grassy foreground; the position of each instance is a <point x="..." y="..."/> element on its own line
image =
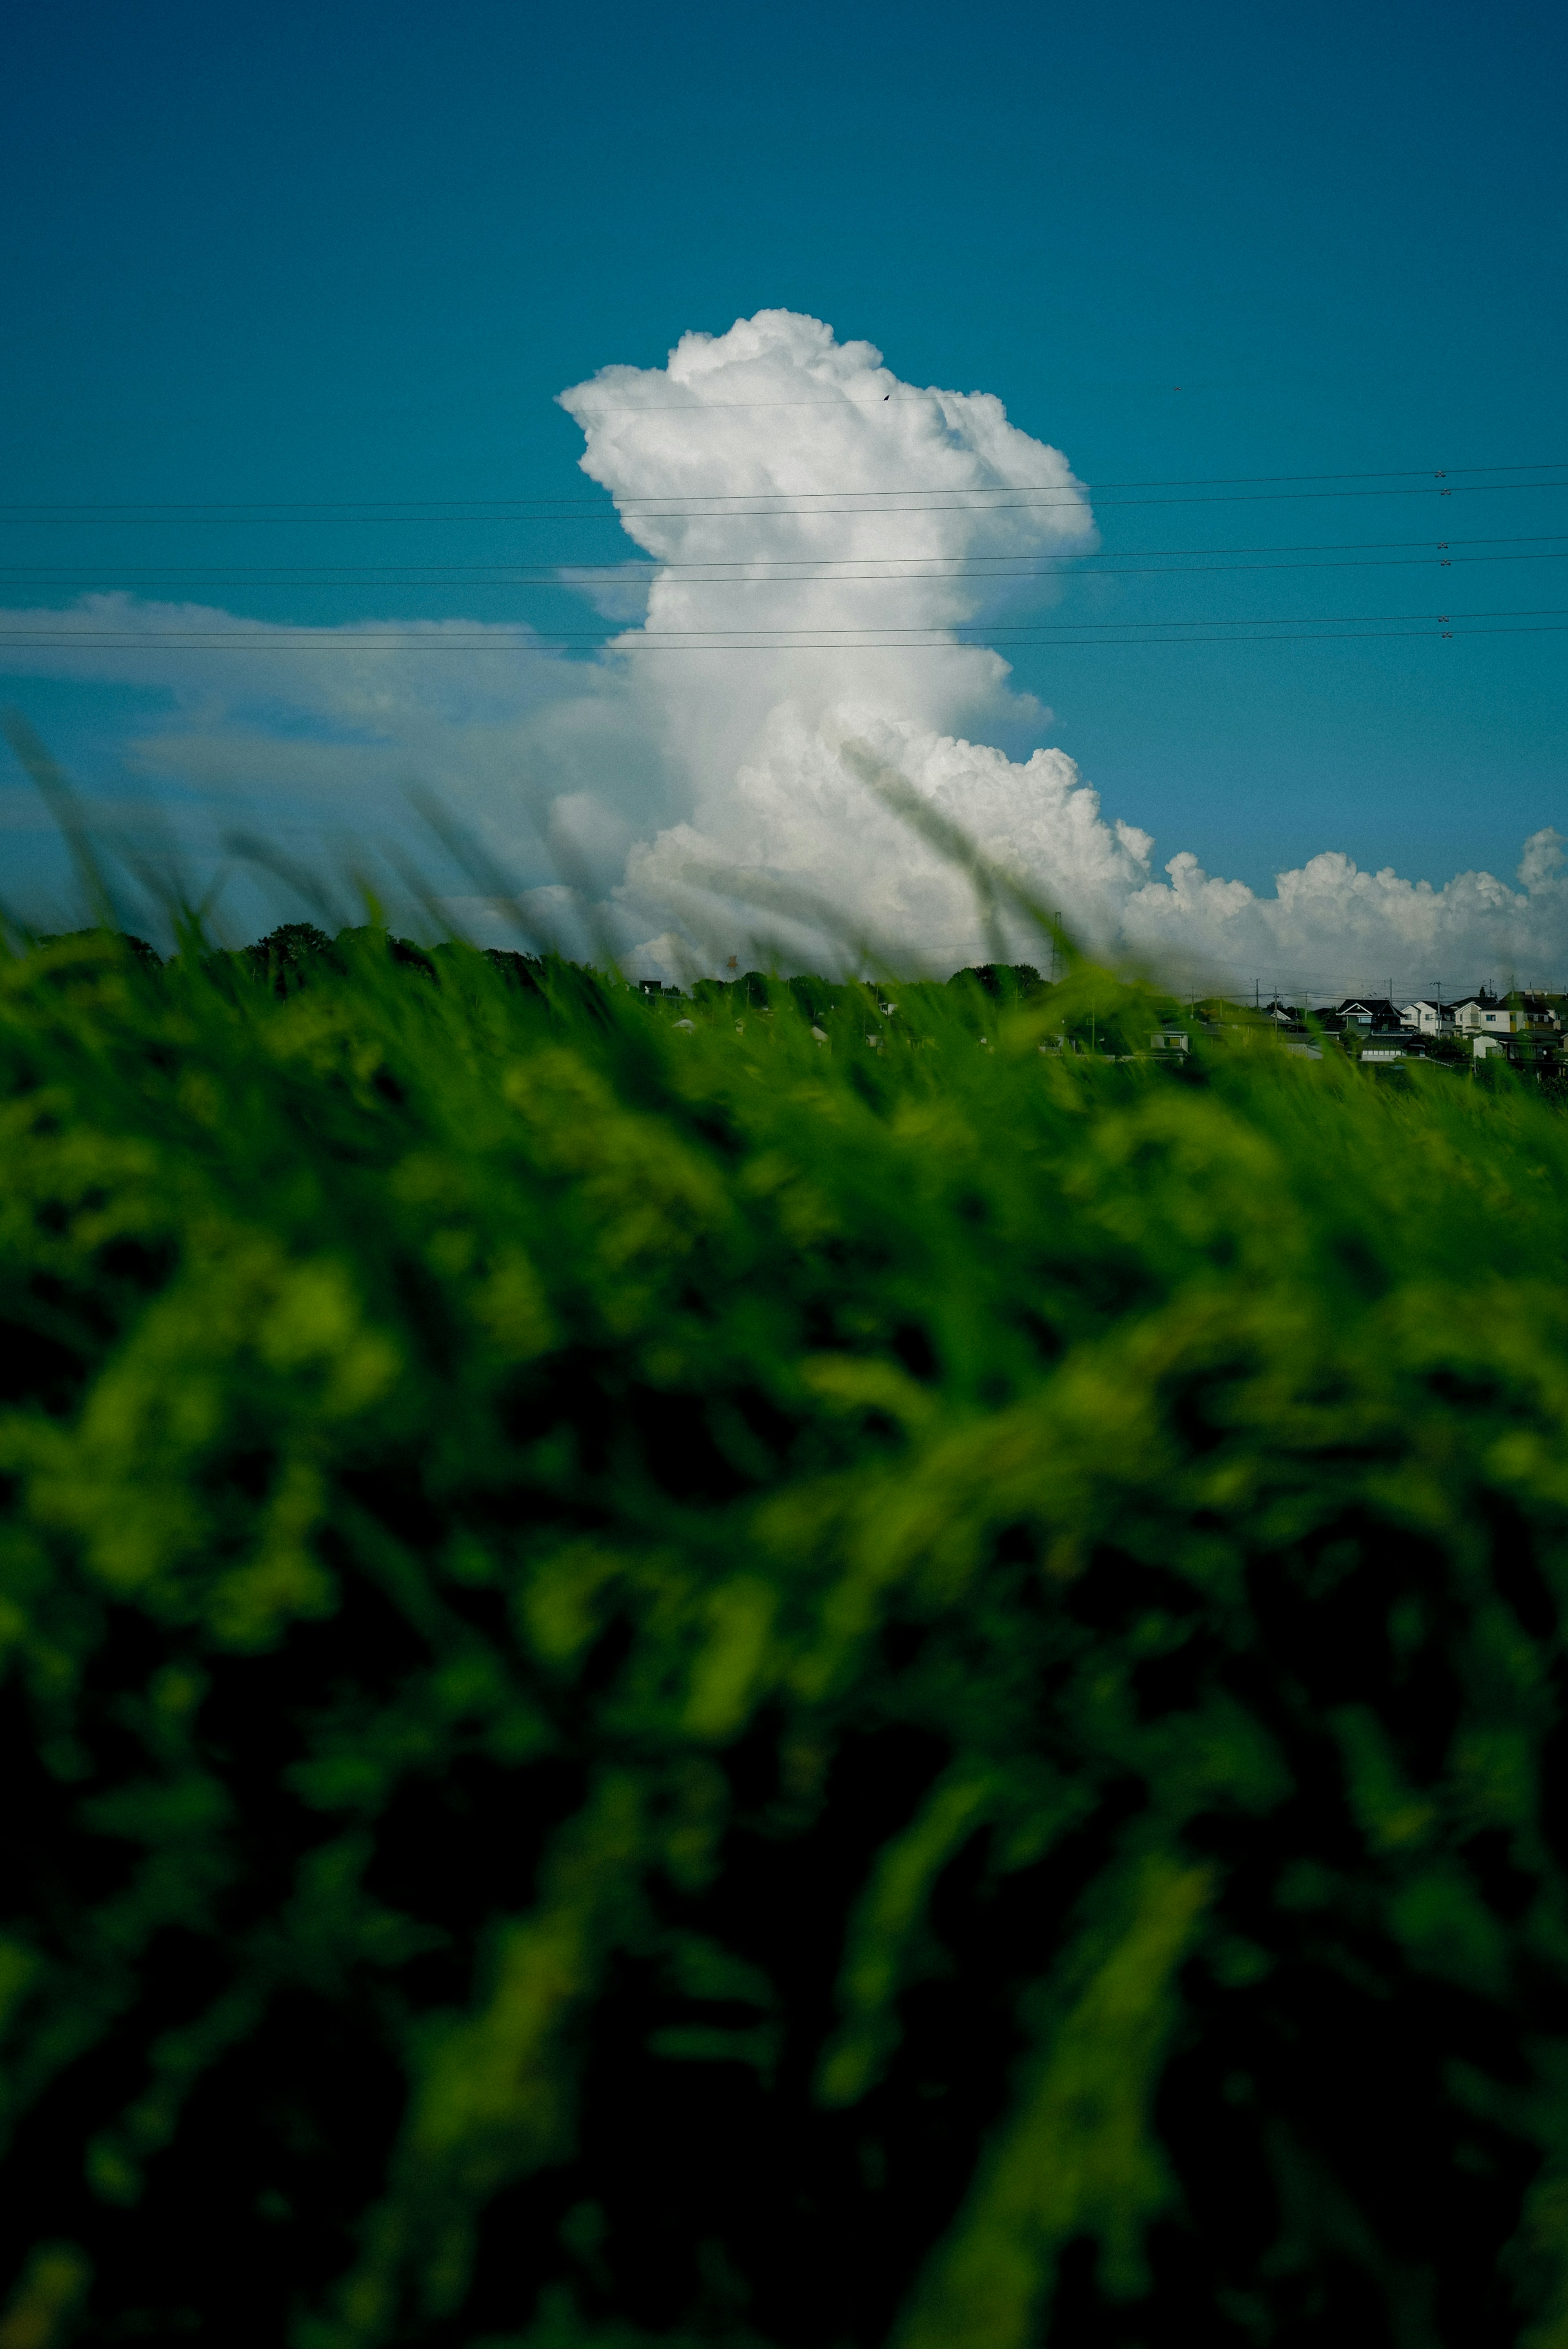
<point x="674" y="1684"/>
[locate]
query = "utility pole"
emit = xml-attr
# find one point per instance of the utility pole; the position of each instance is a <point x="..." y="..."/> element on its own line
<point x="1055" y="926"/>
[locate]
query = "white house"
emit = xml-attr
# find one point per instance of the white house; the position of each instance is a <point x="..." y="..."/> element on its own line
<point x="1427" y="1019"/>
<point x="1483" y="1015"/>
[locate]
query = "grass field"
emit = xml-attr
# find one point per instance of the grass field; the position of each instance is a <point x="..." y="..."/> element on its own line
<point x="671" y="1679"/>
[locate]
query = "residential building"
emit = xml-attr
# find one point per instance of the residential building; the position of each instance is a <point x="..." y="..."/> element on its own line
<point x="1369" y="1011"/>
<point x="1519" y="1015"/>
<point x="1428" y="1017"/>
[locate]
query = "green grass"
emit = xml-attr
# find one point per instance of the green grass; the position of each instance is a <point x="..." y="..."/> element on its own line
<point x="680" y="1685"/>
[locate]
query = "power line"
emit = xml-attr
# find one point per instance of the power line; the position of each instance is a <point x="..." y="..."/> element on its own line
<point x="942" y="632"/>
<point x="714" y="511"/>
<point x="508" y="575"/>
<point x="442" y="638"/>
<point x="715" y="652"/>
<point x="652" y="564"/>
<point x="332" y="505"/>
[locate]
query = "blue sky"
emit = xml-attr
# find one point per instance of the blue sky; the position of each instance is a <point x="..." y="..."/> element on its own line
<point x="300" y="253"/>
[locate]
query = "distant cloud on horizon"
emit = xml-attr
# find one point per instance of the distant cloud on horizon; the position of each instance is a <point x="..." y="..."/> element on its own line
<point x="704" y="791"/>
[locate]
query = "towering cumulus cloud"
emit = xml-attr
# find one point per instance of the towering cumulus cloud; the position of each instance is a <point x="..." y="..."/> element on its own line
<point x="780" y="480"/>
<point x="812" y="517"/>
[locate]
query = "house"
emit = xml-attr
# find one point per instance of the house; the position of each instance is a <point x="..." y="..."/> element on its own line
<point x="1169" y="1040"/>
<point x="1428" y="1017"/>
<point x="1369" y="1011"/>
<point x="1519" y="1015"/>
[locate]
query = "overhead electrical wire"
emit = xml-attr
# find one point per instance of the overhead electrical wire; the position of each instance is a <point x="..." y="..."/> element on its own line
<point x="441" y="636"/>
<point x="231" y="506"/>
<point x="499" y="576"/>
<point x="1001" y="501"/>
<point x="715" y="652"/>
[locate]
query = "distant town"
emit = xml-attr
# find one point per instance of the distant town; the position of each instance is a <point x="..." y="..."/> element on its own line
<point x="1525" y="1027"/>
<point x="1522" y="1026"/>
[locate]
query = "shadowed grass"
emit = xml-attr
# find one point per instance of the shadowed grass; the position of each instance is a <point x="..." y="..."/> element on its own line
<point x="760" y="1668"/>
